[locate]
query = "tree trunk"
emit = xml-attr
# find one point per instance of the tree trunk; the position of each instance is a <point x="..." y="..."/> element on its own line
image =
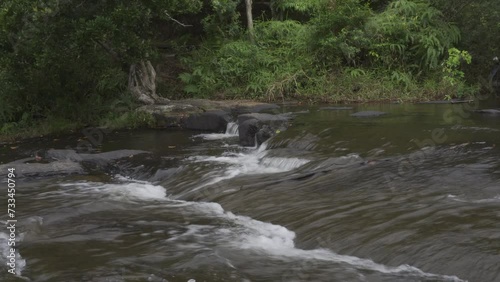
<point x="142" y="83"/>
<point x="248" y="4"/>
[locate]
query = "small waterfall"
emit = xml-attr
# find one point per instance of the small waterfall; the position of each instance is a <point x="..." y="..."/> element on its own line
<point x="232" y="129"/>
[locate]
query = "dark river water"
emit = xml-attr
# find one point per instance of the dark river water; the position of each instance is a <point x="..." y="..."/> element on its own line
<point x="410" y="196"/>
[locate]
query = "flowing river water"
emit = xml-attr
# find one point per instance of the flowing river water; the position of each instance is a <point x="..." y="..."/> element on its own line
<point x="410" y="196"/>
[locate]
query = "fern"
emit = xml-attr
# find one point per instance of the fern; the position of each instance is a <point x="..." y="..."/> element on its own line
<point x="409" y="32"/>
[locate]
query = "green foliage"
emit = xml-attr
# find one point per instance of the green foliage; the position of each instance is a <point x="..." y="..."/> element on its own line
<point x="410" y="35"/>
<point x="35" y="128"/>
<point x="479" y="23"/>
<point x="356" y="72"/>
<point x="130" y="120"/>
<point x="450" y="67"/>
<point x="273" y="67"/>
<point x="62" y="58"/>
<point x="224" y="22"/>
<point x="402" y="44"/>
<point x="406" y="35"/>
<point x="403" y="79"/>
<point x="304" y="6"/>
<point x="338" y="33"/>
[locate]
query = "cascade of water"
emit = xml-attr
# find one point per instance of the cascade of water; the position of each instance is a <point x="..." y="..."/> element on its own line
<point x="231" y="131"/>
<point x="243" y="232"/>
<point x="232" y="128"/>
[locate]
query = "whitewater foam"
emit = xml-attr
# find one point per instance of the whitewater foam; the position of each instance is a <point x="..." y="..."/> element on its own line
<point x="251" y="162"/>
<point x="276" y="240"/>
<point x="456" y="198"/>
<point x="244" y="232"/>
<point x="231" y="132"/>
<point x="136" y="190"/>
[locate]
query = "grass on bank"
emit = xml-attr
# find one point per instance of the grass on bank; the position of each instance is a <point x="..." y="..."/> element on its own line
<point x="11" y="132"/>
<point x="360" y="86"/>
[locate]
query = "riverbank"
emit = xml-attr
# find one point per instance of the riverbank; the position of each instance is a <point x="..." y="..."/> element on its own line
<point x="173" y="115"/>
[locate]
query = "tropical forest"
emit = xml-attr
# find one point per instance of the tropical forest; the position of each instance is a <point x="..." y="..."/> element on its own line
<point x="72" y="62"/>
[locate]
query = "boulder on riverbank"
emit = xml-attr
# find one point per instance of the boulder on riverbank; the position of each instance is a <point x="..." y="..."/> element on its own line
<point x="255" y="108"/>
<point x="170" y="115"/>
<point x="199" y="114"/>
<point x="213" y="121"/>
<point x="258" y="127"/>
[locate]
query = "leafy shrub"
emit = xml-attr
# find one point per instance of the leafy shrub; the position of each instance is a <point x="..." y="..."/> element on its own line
<point x="273" y="67"/>
<point x="224" y="21"/>
<point x="338" y="36"/>
<point x="410" y="34"/>
<point x="452" y="74"/>
<point x="71" y="61"/>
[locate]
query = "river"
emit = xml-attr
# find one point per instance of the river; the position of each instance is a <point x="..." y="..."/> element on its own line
<point x="413" y="195"/>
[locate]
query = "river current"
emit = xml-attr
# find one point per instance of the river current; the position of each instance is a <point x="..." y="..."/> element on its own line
<point x="413" y="195"/>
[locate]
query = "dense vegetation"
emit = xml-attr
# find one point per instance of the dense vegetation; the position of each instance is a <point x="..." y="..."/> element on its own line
<point x="69" y="60"/>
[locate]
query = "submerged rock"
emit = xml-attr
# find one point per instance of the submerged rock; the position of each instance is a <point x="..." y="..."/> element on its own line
<point x="64" y="162"/>
<point x="492" y="112"/>
<point x="452" y="101"/>
<point x="335" y="108"/>
<point x="43" y="169"/>
<point x="68" y="155"/>
<point x="106" y="158"/>
<point x="72" y="155"/>
<point x="368" y="114"/>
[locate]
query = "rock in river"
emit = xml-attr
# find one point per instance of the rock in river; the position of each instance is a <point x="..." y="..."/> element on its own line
<point x="213" y="121"/>
<point x="335" y="108"/>
<point x="490" y="112"/>
<point x="64" y="162"/>
<point x="43" y="169"/>
<point x="260" y="127"/>
<point x="368" y="114"/>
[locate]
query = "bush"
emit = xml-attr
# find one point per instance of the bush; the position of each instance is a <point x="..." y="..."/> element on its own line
<point x="274" y="67"/>
<point x="410" y="35"/>
<point x="338" y="36"/>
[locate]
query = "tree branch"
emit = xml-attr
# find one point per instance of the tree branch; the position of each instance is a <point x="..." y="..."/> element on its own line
<point x="109" y="50"/>
<point x="178" y="22"/>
